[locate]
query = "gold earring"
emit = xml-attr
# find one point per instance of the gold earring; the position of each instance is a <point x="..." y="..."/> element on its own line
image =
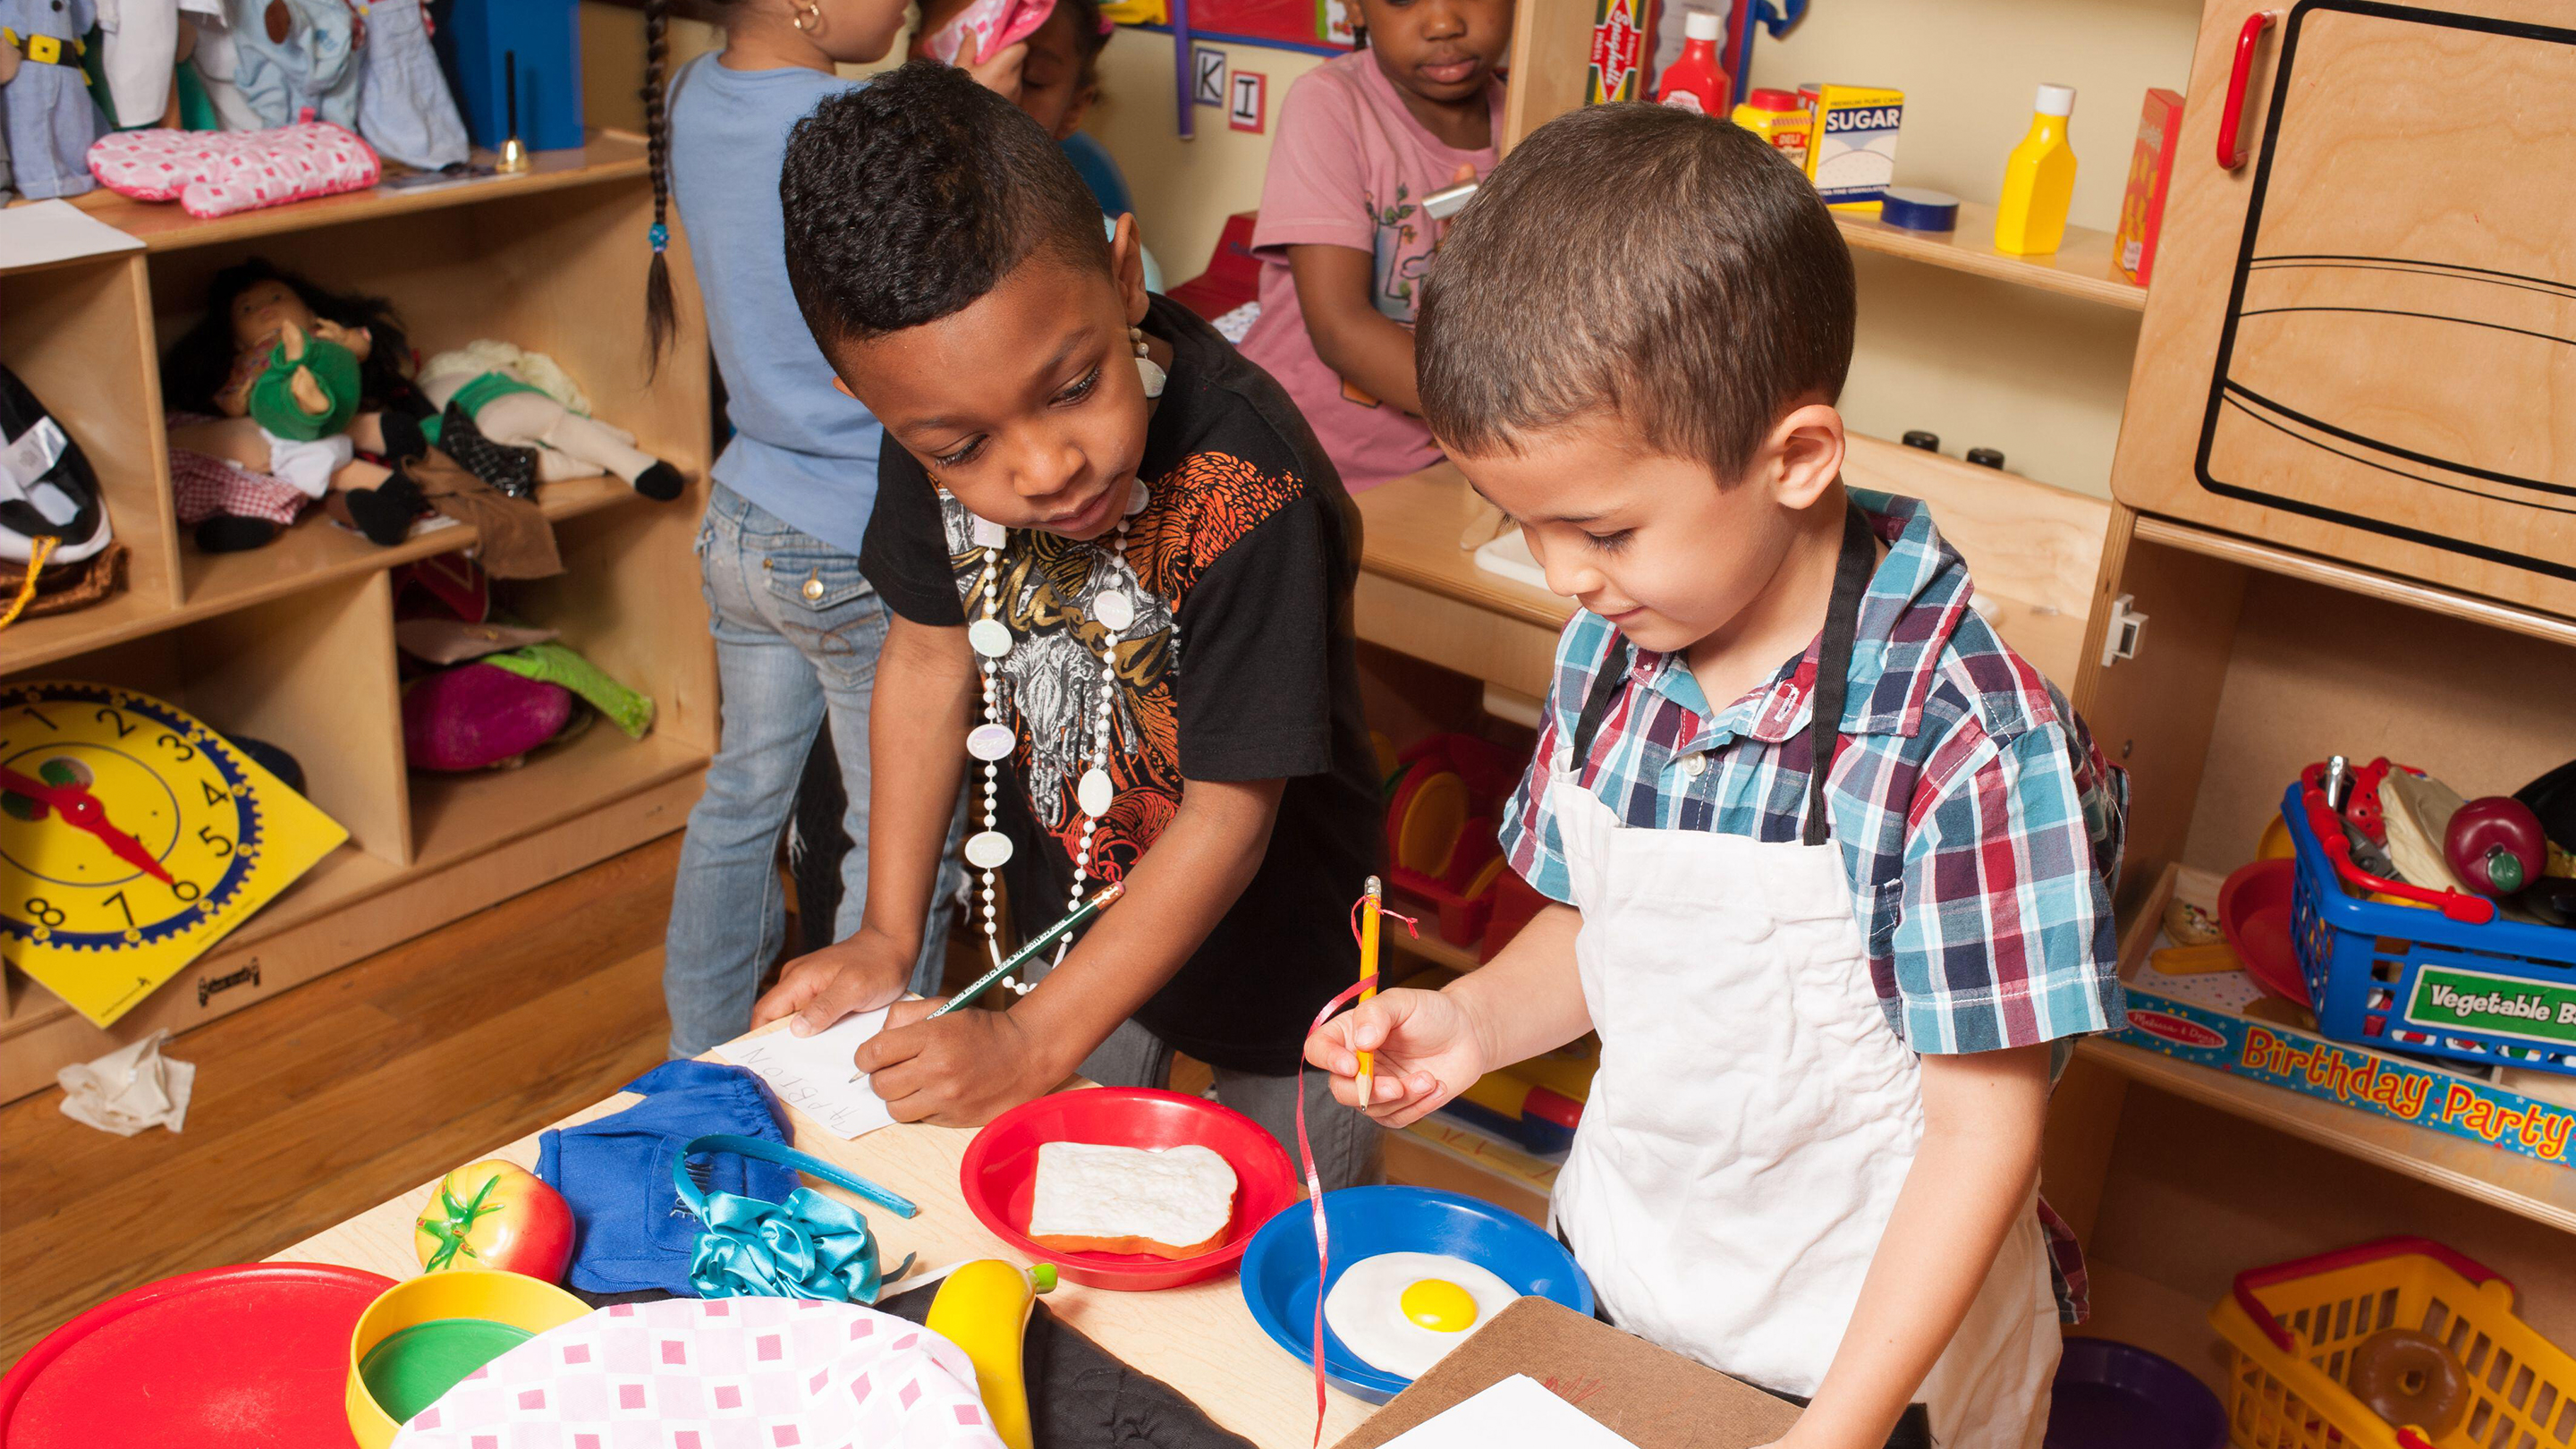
<point x="810" y="19"/>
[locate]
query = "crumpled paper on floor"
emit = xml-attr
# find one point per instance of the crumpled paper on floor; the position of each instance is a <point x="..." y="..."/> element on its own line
<point x="129" y="1089"/>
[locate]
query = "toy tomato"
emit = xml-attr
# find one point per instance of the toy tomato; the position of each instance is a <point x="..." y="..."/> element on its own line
<point x="495" y="1214"/>
<point x="2496" y="845"/>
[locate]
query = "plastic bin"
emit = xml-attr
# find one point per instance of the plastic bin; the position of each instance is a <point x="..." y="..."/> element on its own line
<point x="2290" y="1329"/>
<point x="2390" y="976"/>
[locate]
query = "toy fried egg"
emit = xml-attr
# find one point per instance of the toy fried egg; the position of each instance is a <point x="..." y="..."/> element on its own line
<point x="1404" y="1312"/>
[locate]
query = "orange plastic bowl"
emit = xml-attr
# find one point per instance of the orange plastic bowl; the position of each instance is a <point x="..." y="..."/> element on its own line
<point x="999" y="1175"/>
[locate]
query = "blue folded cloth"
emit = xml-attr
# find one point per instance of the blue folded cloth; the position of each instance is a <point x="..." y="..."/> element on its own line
<point x="631" y="1231"/>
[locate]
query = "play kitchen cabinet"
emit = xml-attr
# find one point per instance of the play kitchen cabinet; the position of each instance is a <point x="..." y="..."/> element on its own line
<point x="2345" y="523"/>
<point x="2361" y="343"/>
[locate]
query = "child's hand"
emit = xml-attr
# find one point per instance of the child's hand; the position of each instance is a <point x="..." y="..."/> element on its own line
<point x="859" y="974"/>
<point x="962" y="1070"/>
<point x="1426" y="1047"/>
<point x="1001" y="74"/>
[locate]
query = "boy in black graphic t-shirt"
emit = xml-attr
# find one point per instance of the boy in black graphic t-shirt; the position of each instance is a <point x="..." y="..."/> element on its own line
<point x="1158" y="589"/>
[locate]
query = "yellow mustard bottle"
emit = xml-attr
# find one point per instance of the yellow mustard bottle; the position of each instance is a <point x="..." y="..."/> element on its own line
<point x="2039" y="180"/>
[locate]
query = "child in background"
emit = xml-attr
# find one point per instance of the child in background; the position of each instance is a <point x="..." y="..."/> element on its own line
<point x="1158" y="562"/>
<point x="1343" y="239"/>
<point x="1834" y="864"/>
<point x="1058" y="81"/>
<point x="797" y="624"/>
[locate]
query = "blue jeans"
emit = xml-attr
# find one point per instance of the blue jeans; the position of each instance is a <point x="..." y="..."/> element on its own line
<point x="797" y="631"/>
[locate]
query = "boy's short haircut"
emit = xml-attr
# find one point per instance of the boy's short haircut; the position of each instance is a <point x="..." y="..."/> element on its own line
<point x="1643" y="263"/>
<point x="908" y="198"/>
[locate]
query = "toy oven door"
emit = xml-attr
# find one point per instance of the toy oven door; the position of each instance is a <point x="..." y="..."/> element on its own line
<point x="2399" y="346"/>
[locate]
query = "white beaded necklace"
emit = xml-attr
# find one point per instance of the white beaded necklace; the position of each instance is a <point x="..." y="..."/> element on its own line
<point x="991" y="742"/>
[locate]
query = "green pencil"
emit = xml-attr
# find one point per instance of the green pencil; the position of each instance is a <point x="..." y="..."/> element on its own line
<point x="1043" y="939"/>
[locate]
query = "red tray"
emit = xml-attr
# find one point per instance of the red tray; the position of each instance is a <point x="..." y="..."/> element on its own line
<point x="999" y="1175"/>
<point x="228" y="1358"/>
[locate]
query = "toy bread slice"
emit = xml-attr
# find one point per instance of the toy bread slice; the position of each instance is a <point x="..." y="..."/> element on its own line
<point x="1093" y="1198"/>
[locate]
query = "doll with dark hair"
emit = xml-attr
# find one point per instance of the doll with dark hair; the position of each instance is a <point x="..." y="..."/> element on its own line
<point x="301" y="379"/>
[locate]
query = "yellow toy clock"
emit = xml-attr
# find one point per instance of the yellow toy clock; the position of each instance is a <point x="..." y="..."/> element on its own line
<point x="133" y="837"/>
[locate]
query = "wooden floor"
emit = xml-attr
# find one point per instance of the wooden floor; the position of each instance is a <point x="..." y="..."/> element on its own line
<point x="330" y="1098"/>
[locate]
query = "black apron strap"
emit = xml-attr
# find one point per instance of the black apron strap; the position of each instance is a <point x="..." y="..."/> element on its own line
<point x="1859" y="559"/>
<point x="1606" y="687"/>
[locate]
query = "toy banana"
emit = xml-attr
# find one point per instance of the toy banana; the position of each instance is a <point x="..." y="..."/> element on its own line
<point x="983" y="1308"/>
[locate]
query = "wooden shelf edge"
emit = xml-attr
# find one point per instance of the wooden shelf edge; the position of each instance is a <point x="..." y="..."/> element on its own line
<point x="161" y="226"/>
<point x="2431" y="598"/>
<point x="31" y="643"/>
<point x="2398" y="1147"/>
<point x="2081" y="268"/>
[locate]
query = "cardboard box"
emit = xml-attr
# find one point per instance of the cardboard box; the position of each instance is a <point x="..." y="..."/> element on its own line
<point x="1851" y="152"/>
<point x="2196" y="1019"/>
<point x="1652" y="1397"/>
<point x="2142" y="206"/>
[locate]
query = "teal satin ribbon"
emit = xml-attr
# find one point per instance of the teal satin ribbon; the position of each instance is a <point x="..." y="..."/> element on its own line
<point x="809" y="1246"/>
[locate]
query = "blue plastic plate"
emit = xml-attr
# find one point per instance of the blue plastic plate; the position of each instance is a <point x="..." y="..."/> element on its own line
<point x="1279" y="1268"/>
<point x="2112" y="1395"/>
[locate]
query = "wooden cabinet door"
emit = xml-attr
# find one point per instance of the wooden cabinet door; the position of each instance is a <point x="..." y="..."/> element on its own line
<point x="2361" y="343"/>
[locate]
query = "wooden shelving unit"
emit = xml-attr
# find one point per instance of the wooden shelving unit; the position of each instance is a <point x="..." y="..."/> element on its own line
<point x="294" y="643"/>
<point x="2082" y="267"/>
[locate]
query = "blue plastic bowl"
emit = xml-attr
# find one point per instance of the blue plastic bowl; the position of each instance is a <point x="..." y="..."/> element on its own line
<point x="2111" y="1395"/>
<point x="1279" y="1268"/>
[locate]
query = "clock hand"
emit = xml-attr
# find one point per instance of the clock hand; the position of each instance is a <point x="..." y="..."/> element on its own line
<point x="79" y="808"/>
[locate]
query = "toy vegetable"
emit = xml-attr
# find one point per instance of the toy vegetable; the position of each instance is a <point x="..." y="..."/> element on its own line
<point x="984" y="1309"/>
<point x="494" y="1214"/>
<point x="2494" y="845"/>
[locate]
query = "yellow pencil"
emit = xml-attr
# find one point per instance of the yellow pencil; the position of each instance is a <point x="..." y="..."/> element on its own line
<point x="1370" y="905"/>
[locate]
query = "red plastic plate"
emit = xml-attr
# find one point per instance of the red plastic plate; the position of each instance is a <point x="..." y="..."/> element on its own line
<point x="999" y="1175"/>
<point x="227" y="1358"/>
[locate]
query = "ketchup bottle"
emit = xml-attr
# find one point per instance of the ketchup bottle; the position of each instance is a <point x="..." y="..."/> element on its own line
<point x="1695" y="81"/>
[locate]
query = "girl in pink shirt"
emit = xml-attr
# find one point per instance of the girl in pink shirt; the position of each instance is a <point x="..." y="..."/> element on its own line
<point x="1343" y="240"/>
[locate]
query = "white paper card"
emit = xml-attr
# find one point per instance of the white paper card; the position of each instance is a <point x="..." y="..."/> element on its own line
<point x="812" y="1073"/>
<point x="56" y="231"/>
<point x="1518" y="1413"/>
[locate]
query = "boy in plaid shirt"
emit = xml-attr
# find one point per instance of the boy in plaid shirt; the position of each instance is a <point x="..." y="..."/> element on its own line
<point x="1833" y="864"/>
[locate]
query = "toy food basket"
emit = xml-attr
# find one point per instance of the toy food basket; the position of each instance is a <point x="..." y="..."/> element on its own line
<point x="2291" y="1327"/>
<point x="2445" y="977"/>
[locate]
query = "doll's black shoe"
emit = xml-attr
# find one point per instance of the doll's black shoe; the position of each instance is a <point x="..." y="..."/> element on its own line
<point x="661" y="482"/>
<point x="229" y="533"/>
<point x="404" y="441"/>
<point x="384" y="513"/>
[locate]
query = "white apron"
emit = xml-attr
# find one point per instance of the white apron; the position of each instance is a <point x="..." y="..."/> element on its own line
<point x="1754" y="1115"/>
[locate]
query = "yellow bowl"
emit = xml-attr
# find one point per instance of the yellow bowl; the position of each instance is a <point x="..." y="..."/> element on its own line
<point x="514" y="1299"/>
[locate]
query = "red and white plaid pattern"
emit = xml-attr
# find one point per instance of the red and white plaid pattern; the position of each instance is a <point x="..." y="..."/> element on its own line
<point x="204" y="485"/>
<point x="216" y="173"/>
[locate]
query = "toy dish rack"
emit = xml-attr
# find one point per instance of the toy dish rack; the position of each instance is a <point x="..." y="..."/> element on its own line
<point x="2447" y="980"/>
<point x="2290" y="1330"/>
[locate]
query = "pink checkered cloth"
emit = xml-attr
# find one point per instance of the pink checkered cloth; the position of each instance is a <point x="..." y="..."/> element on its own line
<point x="204" y="485"/>
<point x="717" y="1373"/>
<point x="216" y="173"/>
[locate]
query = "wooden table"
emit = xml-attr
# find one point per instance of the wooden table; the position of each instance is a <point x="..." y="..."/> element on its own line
<point x="1200" y="1339"/>
<point x="2033" y="549"/>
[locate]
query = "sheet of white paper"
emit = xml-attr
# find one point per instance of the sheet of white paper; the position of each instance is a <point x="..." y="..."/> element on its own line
<point x="1518" y="1413"/>
<point x="812" y="1073"/>
<point x="56" y="231"/>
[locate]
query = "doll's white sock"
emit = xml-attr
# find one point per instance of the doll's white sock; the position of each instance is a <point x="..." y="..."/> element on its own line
<point x="525" y="418"/>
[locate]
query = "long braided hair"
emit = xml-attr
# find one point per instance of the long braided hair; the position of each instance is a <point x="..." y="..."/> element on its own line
<point x="660" y="317"/>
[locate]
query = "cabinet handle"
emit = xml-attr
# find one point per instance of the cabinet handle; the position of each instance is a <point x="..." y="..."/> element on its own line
<point x="2231" y="148"/>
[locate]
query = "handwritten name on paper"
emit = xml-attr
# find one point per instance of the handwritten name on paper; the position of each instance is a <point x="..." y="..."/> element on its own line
<point x="812" y="1073"/>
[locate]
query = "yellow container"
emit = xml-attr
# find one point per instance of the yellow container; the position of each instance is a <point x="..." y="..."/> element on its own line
<point x="2290" y="1329"/>
<point x="514" y="1299"/>
<point x="2039" y="180"/>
